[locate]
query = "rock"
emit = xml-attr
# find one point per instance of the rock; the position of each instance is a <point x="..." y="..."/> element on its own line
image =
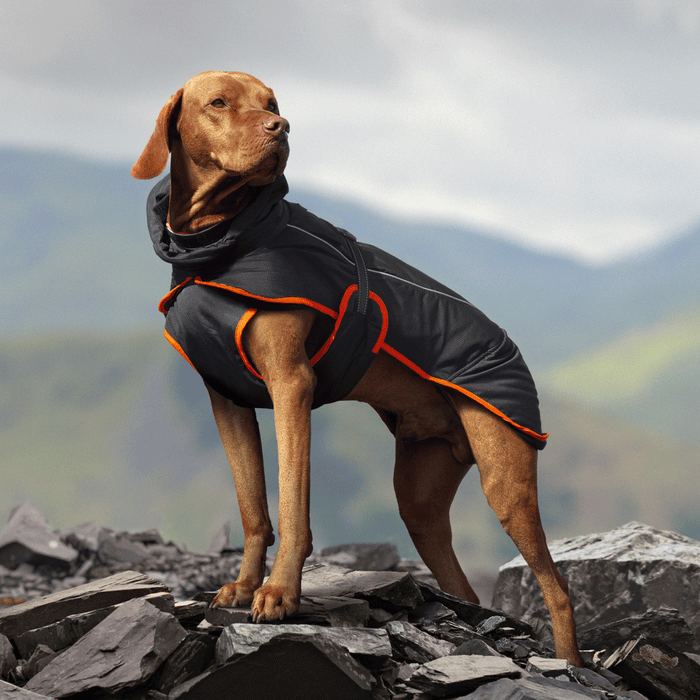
<point x="414" y="645"/>
<point x="27" y="537"/>
<point x="665" y="625"/>
<point x="118" y="547"/>
<point x="90" y="596"/>
<point x="451" y="675"/>
<point x="547" y="667"/>
<point x="336" y="611"/>
<point x="8" y="661"/>
<point x="385" y="589"/>
<point x="656" y="669"/>
<point x="471" y="613"/>
<point x="221" y="540"/>
<point x="192" y="657"/>
<point x="362" y="557"/>
<point x="62" y="634"/>
<point x="612" y="576"/>
<point x="538" y="689"/>
<point x="40" y="658"/>
<point x="123" y="651"/>
<point x="12" y="692"/>
<point x="369" y="646"/>
<point x="294" y="668"/>
<point x="475" y="647"/>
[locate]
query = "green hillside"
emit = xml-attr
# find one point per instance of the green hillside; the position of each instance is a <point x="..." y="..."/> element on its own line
<point x="649" y="376"/>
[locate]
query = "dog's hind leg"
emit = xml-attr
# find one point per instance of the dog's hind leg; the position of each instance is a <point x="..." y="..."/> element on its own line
<point x="238" y="428"/>
<point x="426" y="478"/>
<point x="508" y="468"/>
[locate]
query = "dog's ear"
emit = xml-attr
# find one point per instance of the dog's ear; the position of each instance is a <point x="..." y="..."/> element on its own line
<point x="154" y="158"/>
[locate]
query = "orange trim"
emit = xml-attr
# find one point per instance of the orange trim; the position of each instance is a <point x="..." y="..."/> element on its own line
<point x="239" y="341"/>
<point x="385" y="322"/>
<point x="177" y="346"/>
<point x="443" y="382"/>
<point x="281" y="300"/>
<point x="341" y="312"/>
<point x="170" y="295"/>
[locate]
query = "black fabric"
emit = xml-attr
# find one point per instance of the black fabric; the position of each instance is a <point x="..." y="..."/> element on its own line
<point x="280" y="253"/>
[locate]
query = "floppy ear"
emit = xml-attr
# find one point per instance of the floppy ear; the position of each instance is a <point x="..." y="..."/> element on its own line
<point x="155" y="156"/>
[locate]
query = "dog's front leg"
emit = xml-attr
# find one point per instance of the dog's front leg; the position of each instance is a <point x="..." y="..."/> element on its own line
<point x="240" y="436"/>
<point x="276" y="344"/>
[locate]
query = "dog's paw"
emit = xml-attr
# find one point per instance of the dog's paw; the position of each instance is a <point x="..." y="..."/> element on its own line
<point x="274" y="603"/>
<point x="233" y="595"/>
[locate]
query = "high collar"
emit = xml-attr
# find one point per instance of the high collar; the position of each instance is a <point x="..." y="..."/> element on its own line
<point x="197" y="250"/>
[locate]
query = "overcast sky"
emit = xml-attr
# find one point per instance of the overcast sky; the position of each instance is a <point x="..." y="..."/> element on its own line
<point x="570" y="125"/>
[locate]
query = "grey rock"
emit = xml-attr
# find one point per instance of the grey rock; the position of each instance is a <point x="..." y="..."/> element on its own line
<point x="415" y="645"/>
<point x="547" y="667"/>
<point x="475" y="647"/>
<point x="363" y="557"/>
<point x="614" y="575"/>
<point x="191" y="658"/>
<point x="12" y="692"/>
<point x="115" y="548"/>
<point x="287" y="667"/>
<point x="471" y="613"/>
<point x="70" y="629"/>
<point x="27" y="537"/>
<point x="665" y="625"/>
<point x="221" y="540"/>
<point x="39" y="659"/>
<point x="537" y="689"/>
<point x="90" y="596"/>
<point x="85" y="537"/>
<point x="386" y="589"/>
<point x="451" y="675"/>
<point x="8" y="661"/>
<point x="123" y="651"/>
<point x="656" y="670"/>
<point x="369" y="646"/>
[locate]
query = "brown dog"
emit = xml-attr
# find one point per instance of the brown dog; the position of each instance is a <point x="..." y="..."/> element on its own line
<point x="228" y="143"/>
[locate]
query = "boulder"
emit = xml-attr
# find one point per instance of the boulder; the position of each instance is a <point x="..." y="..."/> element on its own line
<point x="27" y="537"/>
<point x="381" y="556"/>
<point x="614" y="575"/>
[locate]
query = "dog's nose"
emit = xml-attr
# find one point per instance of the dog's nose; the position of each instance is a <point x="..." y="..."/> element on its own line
<point x="276" y="125"/>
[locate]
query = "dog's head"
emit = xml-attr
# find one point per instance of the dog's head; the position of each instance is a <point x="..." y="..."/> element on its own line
<point x="227" y="123"/>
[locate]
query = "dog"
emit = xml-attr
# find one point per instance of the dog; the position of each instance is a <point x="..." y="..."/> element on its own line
<point x="278" y="335"/>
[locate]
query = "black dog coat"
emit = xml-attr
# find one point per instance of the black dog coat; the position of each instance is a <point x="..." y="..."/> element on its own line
<point x="276" y="252"/>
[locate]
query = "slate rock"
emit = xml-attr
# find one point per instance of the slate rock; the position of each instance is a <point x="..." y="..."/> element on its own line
<point x="8" y="661"/>
<point x="382" y="556"/>
<point x="471" y="613"/>
<point x="192" y="657"/>
<point x="70" y="629"/>
<point x="614" y="575"/>
<point x="221" y="540"/>
<point x="537" y="688"/>
<point x="12" y="692"/>
<point x="118" y="547"/>
<point x="415" y="645"/>
<point x="369" y="646"/>
<point x="90" y="596"/>
<point x="40" y="658"/>
<point x="124" y="650"/>
<point x="289" y="667"/>
<point x="27" y="537"/>
<point x="451" y="675"/>
<point x="656" y="670"/>
<point x="665" y="625"/>
<point x="387" y="589"/>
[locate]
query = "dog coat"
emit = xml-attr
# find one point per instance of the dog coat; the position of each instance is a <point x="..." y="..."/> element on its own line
<point x="275" y="253"/>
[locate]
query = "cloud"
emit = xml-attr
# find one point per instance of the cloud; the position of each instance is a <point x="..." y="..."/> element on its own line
<point x="569" y="126"/>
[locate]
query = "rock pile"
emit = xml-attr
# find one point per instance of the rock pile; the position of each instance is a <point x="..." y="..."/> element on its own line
<point x="126" y="616"/>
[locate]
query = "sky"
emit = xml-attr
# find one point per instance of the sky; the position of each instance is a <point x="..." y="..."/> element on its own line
<point x="571" y="126"/>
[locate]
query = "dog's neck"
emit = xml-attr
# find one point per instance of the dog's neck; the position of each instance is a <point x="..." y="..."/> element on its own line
<point x="202" y="198"/>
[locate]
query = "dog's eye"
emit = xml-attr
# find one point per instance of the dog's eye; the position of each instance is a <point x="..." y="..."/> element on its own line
<point x="218" y="102"/>
<point x="272" y="107"/>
